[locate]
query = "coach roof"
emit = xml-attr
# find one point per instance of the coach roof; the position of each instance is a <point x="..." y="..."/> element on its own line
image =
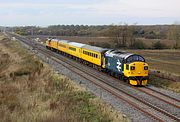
<point x="76" y="44"/>
<point x="63" y="41"/>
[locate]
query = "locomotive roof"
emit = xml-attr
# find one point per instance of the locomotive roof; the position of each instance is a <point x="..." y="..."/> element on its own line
<point x="94" y="48"/>
<point x="76" y="44"/>
<point x="118" y="54"/>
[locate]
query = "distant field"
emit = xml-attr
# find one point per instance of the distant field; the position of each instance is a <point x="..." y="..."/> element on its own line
<point x="164" y="60"/>
<point x="85" y="40"/>
<point x="100" y="40"/>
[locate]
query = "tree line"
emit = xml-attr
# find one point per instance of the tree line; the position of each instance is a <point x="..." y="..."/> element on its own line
<point x="121" y="35"/>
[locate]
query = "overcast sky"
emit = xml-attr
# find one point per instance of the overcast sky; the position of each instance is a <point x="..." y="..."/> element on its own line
<point x="90" y="12"/>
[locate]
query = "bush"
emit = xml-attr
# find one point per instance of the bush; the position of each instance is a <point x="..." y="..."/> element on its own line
<point x="105" y="45"/>
<point x="138" y="45"/>
<point x="159" y="45"/>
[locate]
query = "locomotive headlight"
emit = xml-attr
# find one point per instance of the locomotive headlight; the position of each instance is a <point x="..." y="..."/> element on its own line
<point x="146" y="68"/>
<point x="132" y="67"/>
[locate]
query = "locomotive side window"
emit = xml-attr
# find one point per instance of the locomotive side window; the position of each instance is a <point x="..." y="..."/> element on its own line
<point x="127" y="66"/>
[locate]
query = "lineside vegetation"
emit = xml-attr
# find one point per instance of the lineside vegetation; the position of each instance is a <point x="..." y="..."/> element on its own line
<point x="31" y="91"/>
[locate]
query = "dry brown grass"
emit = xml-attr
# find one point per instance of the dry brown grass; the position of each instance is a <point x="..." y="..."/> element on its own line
<point x="30" y="91"/>
<point x="149" y="42"/>
<point x="103" y="41"/>
<point x="164" y="83"/>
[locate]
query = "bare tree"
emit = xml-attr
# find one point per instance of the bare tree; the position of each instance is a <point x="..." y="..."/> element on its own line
<point x="174" y="34"/>
<point x="131" y="37"/>
<point x="118" y="33"/>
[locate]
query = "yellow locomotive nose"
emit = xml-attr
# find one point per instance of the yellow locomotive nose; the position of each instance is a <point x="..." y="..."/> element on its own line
<point x="137" y="73"/>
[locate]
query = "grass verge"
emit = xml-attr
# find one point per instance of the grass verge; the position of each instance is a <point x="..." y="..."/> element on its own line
<point x="164" y="83"/>
<point x="31" y="91"/>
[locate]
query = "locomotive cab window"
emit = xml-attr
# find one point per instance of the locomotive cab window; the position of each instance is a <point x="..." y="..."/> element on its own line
<point x="135" y="58"/>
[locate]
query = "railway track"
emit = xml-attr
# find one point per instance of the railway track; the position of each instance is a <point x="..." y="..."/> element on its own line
<point x="154" y="93"/>
<point x="163" y="97"/>
<point x="140" y="104"/>
<point x="144" y="107"/>
<point x="177" y="100"/>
